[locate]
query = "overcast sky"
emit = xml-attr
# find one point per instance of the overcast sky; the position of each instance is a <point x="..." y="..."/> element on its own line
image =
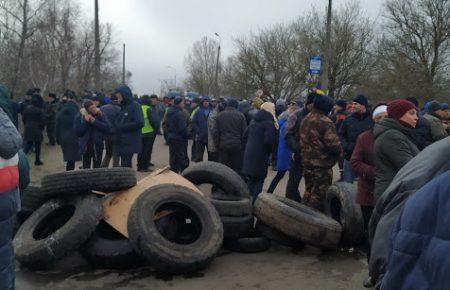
<point x="159" y="33"/>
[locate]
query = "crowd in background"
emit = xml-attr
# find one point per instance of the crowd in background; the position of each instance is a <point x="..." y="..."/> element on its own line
<point x="305" y="138"/>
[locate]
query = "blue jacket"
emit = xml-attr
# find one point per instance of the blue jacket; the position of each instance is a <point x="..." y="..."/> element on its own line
<point x="111" y="112"/>
<point x="129" y="124"/>
<point x="90" y="133"/>
<point x="420" y="242"/>
<point x="284" y="154"/>
<point x="353" y="126"/>
<point x="177" y="124"/>
<point x="200" y="124"/>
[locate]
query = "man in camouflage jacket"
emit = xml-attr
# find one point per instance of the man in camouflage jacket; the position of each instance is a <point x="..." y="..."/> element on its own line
<point x="321" y="149"/>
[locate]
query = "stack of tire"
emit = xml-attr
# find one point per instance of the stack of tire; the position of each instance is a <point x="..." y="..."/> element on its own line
<point x="340" y="205"/>
<point x="68" y="216"/>
<point x="184" y="235"/>
<point x="230" y="197"/>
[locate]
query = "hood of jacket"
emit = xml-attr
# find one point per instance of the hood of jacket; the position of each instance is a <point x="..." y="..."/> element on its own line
<point x="390" y="124"/>
<point x="126" y="93"/>
<point x="244" y="107"/>
<point x="11" y="139"/>
<point x="262" y="116"/>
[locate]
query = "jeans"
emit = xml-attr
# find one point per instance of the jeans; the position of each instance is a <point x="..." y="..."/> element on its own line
<point x="126" y="160"/>
<point x="93" y="156"/>
<point x="255" y="185"/>
<point x="37" y="149"/>
<point x="349" y="175"/>
<point x="232" y="158"/>
<point x="147" y="148"/>
<point x="276" y="180"/>
<point x="110" y="152"/>
<point x="178" y="157"/>
<point x="295" y="176"/>
<point x="200" y="150"/>
<point x="50" y="128"/>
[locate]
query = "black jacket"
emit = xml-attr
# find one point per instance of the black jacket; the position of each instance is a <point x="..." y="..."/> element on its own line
<point x="50" y="110"/>
<point x="177" y="124"/>
<point x="353" y="126"/>
<point x="34" y="124"/>
<point x="231" y="126"/>
<point x="261" y="137"/>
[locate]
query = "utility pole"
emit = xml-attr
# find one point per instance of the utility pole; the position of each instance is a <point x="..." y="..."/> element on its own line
<point x="217" y="93"/>
<point x="97" y="49"/>
<point x="327" y="53"/>
<point x="123" y="65"/>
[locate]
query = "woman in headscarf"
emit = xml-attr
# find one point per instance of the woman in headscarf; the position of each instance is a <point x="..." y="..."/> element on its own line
<point x="261" y="137"/>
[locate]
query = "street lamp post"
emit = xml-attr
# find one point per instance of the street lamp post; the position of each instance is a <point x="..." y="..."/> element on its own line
<point x="175" y="75"/>
<point x="217" y="66"/>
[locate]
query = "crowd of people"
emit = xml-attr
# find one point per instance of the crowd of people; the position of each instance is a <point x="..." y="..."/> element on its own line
<point x="306" y="137"/>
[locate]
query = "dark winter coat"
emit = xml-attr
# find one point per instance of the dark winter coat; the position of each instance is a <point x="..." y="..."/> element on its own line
<point x="6" y="104"/>
<point x="111" y="112"/>
<point x="437" y="130"/>
<point x="50" y="110"/>
<point x="430" y="163"/>
<point x="284" y="154"/>
<point x="420" y="243"/>
<point x="200" y="125"/>
<point x="422" y="134"/>
<point x="353" y="126"/>
<point x="34" y="123"/>
<point x="177" y="124"/>
<point x="65" y="131"/>
<point x="9" y="195"/>
<point x="393" y="148"/>
<point x="261" y="137"/>
<point x="231" y="126"/>
<point x="362" y="165"/>
<point x="129" y="124"/>
<point x="90" y="133"/>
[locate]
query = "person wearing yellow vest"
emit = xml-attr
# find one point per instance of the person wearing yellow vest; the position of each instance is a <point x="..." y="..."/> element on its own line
<point x="148" y="135"/>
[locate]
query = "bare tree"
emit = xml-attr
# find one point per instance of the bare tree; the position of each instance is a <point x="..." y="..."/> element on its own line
<point x="200" y="65"/>
<point x="24" y="14"/>
<point x="414" y="51"/>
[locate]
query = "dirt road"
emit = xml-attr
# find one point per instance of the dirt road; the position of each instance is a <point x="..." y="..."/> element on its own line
<point x="278" y="268"/>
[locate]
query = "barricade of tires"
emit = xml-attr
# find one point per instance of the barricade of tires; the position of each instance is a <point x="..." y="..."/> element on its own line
<point x="170" y="227"/>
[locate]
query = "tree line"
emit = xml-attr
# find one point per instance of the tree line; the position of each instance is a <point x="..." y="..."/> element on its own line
<point x="404" y="53"/>
<point x="49" y="44"/>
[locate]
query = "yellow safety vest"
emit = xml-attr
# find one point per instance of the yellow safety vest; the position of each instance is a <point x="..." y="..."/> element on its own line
<point x="147" y="126"/>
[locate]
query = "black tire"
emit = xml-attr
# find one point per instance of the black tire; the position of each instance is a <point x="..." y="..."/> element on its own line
<point x="234" y="208"/>
<point x="297" y="220"/>
<point x="220" y="176"/>
<point x="341" y="206"/>
<point x="56" y="229"/>
<point x="253" y="244"/>
<point x="237" y="227"/>
<point x="278" y="237"/>
<point x="109" y="249"/>
<point x="201" y="237"/>
<point x="31" y="198"/>
<point x="84" y="181"/>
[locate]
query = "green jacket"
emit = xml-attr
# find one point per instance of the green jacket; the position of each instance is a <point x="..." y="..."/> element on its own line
<point x="392" y="150"/>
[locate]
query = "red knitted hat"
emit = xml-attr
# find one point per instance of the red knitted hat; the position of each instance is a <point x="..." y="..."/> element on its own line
<point x="397" y="108"/>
